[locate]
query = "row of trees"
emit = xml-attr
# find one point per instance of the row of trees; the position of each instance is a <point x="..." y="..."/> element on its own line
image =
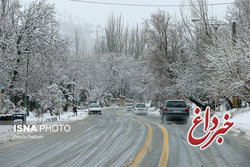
<point x="196" y="56"/>
<point x="203" y="59"/>
<point x="33" y="52"/>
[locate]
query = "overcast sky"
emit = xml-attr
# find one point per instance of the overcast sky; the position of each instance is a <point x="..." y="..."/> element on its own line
<point x="97" y="13"/>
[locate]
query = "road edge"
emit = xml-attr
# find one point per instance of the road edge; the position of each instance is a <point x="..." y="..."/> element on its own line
<point x="165" y="150"/>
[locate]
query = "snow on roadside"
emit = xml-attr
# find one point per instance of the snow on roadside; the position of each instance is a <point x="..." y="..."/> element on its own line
<point x="66" y="116"/>
<point x="241" y="117"/>
<point x="154" y="112"/>
<point x="69" y="116"/>
<point x="7" y="133"/>
<point x="242" y="121"/>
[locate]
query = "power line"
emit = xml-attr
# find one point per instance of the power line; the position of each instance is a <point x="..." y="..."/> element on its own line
<point x="146" y="5"/>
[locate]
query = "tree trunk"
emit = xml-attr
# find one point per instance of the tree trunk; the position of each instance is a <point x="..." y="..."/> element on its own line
<point x="229" y="102"/>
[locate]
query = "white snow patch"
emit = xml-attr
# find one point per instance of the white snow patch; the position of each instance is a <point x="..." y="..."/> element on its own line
<point x="7" y="133"/>
<point x="240" y="116"/>
<point x="65" y="116"/>
<point x="69" y="116"/>
<point x="242" y="121"/>
<point x="155" y="113"/>
<point x="151" y="109"/>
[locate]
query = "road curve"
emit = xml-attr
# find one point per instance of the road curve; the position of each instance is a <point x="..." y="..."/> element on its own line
<point x="105" y="140"/>
<point x="119" y="139"/>
<point x="234" y="152"/>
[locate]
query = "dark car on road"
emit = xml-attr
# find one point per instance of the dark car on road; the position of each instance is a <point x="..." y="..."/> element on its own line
<point x="174" y="109"/>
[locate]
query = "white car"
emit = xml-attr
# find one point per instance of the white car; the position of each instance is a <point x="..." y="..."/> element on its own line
<point x="95" y="108"/>
<point x="140" y="108"/>
<point x="129" y="107"/>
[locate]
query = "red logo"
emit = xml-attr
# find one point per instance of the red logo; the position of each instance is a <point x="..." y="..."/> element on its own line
<point x="211" y="132"/>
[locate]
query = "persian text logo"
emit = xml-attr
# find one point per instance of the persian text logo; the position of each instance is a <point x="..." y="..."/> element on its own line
<point x="212" y="132"/>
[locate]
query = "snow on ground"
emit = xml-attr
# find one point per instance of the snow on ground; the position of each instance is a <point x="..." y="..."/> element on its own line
<point x="241" y="117"/>
<point x="115" y="106"/>
<point x="7" y="133"/>
<point x="65" y="116"/>
<point x="154" y="112"/>
<point x="242" y="120"/>
<point x="69" y="116"/>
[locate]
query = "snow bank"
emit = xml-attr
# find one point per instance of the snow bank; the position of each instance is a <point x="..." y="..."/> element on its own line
<point x="69" y="116"/>
<point x="65" y="116"/>
<point x="241" y="117"/>
<point x="154" y="112"/>
<point x="7" y="133"/>
<point x="242" y="120"/>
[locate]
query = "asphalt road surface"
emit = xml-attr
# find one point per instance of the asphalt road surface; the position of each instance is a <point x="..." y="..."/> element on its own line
<point x="119" y="138"/>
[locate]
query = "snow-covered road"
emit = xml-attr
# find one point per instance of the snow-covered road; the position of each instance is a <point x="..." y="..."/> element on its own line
<point x="99" y="140"/>
<point x="119" y="138"/>
<point x="234" y="152"/>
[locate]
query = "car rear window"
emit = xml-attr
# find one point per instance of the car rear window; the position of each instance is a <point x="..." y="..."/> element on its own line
<point x="140" y="105"/>
<point x="176" y="104"/>
<point x="94" y="105"/>
<point x="129" y="104"/>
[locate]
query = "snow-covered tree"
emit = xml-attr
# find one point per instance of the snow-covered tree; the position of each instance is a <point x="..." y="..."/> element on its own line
<point x="67" y="87"/>
<point x="229" y="69"/>
<point x="229" y="59"/>
<point x="31" y="46"/>
<point x="50" y="99"/>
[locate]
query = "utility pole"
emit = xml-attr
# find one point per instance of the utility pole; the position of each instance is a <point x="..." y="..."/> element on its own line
<point x="2" y="99"/>
<point x="26" y="89"/>
<point x="236" y="100"/>
<point x="234" y="33"/>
